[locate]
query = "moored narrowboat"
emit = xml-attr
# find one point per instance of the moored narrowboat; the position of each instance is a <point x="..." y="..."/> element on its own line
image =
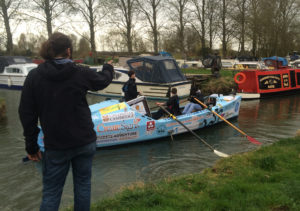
<point x="254" y="84"/>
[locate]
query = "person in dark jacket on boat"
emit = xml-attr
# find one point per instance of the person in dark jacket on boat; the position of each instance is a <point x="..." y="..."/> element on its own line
<point x="129" y="88"/>
<point x="55" y="95"/>
<point x="194" y="105"/>
<point x="172" y="105"/>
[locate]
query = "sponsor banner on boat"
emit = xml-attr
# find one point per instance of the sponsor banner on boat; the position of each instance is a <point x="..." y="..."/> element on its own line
<point x="109" y="138"/>
<point x="193" y="119"/>
<point x="116" y="117"/>
<point x="118" y="127"/>
<point x="112" y="108"/>
<point x="150" y="125"/>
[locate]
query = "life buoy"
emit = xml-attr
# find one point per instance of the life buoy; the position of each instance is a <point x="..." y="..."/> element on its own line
<point x="242" y="78"/>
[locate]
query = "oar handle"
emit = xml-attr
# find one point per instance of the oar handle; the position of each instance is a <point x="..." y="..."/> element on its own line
<point x="225" y="120"/>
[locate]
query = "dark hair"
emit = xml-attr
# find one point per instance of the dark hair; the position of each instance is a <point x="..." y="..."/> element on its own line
<point x="56" y="45"/>
<point x="174" y="91"/>
<point x="130" y="73"/>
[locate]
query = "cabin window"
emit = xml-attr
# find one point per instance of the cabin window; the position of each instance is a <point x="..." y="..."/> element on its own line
<point x="170" y="65"/>
<point x="298" y="78"/>
<point x="13" y="70"/>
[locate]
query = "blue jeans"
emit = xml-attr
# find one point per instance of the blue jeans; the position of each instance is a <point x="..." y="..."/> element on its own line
<point x="56" y="164"/>
<point x="190" y="107"/>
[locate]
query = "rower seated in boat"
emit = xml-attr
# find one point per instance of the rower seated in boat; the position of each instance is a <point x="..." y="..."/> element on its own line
<point x="172" y="105"/>
<point x="194" y="105"/>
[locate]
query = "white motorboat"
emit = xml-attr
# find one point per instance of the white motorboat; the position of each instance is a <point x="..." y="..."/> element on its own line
<point x="155" y="76"/>
<point x="14" y="70"/>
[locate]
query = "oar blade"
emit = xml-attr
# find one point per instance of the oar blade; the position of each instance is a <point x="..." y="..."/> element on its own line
<point x="221" y="154"/>
<point x="253" y="140"/>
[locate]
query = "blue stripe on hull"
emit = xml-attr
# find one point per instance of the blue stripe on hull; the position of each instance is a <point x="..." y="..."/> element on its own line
<point x="14" y="87"/>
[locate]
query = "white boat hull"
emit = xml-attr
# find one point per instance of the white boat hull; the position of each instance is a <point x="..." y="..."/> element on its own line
<point x="150" y="90"/>
<point x="11" y="81"/>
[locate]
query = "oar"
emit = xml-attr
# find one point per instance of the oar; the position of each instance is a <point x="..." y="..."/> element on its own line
<point x="253" y="140"/>
<point x="220" y="154"/>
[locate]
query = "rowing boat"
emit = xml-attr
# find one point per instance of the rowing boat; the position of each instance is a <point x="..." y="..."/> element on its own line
<point x="118" y="123"/>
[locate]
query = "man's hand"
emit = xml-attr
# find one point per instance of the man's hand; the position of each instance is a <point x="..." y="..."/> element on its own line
<point x="35" y="157"/>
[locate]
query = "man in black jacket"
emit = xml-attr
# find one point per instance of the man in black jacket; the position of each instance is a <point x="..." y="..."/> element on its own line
<point x="172" y="105"/>
<point x="55" y="94"/>
<point x="129" y="87"/>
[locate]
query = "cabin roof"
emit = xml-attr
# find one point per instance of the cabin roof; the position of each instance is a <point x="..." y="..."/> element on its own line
<point x="9" y="60"/>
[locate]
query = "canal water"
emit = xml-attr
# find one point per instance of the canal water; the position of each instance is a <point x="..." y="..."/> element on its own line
<point x="114" y="168"/>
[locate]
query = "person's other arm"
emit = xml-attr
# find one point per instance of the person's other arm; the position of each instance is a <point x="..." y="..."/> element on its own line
<point x="100" y="80"/>
<point x="29" y="119"/>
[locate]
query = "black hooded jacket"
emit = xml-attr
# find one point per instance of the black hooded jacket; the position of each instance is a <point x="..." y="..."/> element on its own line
<point x="131" y="92"/>
<point x="55" y="94"/>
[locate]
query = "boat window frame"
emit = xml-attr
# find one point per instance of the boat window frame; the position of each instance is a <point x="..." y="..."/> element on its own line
<point x="19" y="72"/>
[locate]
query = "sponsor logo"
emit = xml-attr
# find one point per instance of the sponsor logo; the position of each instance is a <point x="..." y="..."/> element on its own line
<point x="150" y="125"/>
<point x="117" y="137"/>
<point x="118" y="117"/>
<point x="118" y="127"/>
<point x="112" y="108"/>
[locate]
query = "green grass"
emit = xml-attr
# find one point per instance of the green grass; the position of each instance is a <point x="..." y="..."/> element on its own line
<point x="265" y="179"/>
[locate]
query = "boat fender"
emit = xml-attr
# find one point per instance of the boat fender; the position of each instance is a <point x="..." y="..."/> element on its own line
<point x="9" y="82"/>
<point x="242" y="78"/>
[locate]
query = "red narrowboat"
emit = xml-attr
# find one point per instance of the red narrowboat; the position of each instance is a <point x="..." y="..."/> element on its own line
<point x="254" y="84"/>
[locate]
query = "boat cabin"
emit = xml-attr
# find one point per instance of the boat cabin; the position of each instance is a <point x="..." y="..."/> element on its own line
<point x="156" y="69"/>
<point x="14" y="70"/>
<point x="275" y="62"/>
<point x="13" y="62"/>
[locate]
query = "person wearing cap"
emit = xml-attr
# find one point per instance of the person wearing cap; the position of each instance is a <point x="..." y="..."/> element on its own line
<point x="194" y="105"/>
<point x="130" y="88"/>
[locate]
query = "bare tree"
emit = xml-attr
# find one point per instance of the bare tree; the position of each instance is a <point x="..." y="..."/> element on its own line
<point x="123" y="14"/>
<point x="46" y="11"/>
<point x="9" y="8"/>
<point x="179" y="16"/>
<point x="239" y="15"/>
<point x="93" y="12"/>
<point x="151" y="9"/>
<point x="253" y="23"/>
<point x="212" y="20"/>
<point x="199" y="11"/>
<point x="226" y="25"/>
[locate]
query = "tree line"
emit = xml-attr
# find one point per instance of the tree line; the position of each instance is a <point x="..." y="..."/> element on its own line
<point x="187" y="28"/>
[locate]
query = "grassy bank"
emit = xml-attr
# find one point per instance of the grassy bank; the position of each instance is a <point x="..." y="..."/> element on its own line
<point x="265" y="179"/>
<point x="222" y="85"/>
